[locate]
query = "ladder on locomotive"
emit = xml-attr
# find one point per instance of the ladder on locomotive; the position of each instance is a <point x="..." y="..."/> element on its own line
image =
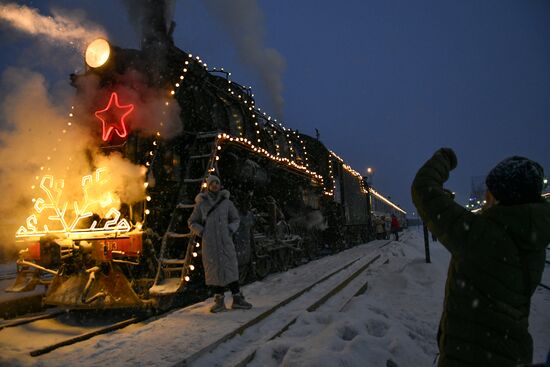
<point x="172" y="271"/>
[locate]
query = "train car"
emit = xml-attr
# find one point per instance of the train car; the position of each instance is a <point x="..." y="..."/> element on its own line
<point x="297" y="199"/>
<point x="383" y="207"/>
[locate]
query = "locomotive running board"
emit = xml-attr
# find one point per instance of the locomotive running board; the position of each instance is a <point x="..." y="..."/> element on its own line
<point x="167" y="287"/>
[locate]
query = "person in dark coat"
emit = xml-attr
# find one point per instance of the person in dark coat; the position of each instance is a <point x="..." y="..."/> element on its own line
<point x="497" y="260"/>
<point x="216" y="219"/>
<point x="395" y="227"/>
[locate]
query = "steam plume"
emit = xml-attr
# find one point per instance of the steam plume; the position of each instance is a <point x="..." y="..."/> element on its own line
<point x="244" y="21"/>
<point x="36" y="139"/>
<point x="59" y="27"/>
<point x="151" y="114"/>
<point x="139" y="11"/>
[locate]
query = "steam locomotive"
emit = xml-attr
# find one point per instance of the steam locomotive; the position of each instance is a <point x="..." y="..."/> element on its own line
<point x="297" y="199"/>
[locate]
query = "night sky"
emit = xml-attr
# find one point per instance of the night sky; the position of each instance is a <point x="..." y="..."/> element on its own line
<point x="386" y="82"/>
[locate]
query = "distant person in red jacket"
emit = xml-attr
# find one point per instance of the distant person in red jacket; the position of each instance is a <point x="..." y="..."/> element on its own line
<point x="395" y="227"/>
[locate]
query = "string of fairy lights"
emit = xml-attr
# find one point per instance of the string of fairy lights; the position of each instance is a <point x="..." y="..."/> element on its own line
<point x="150" y="157"/>
<point x="276" y="128"/>
<point x="46" y="167"/>
<point x="297" y="160"/>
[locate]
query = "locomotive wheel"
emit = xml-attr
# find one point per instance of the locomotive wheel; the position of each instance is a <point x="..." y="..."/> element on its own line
<point x="262" y="267"/>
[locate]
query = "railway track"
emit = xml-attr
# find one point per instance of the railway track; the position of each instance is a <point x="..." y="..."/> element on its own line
<point x="332" y="293"/>
<point x="57" y="328"/>
<point x="337" y="289"/>
<point x="48" y="314"/>
<point x="7" y="276"/>
<point x="349" y="287"/>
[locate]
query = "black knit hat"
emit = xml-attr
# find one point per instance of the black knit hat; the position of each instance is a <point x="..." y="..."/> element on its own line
<point x="516" y="180"/>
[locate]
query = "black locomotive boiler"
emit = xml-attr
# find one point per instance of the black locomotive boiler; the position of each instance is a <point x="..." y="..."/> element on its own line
<point x="297" y="199"/>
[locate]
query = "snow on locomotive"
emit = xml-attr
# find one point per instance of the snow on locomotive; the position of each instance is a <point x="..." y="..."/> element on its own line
<point x="160" y="113"/>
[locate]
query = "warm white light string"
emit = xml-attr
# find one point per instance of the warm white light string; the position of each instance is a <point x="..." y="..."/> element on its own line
<point x="274" y="129"/>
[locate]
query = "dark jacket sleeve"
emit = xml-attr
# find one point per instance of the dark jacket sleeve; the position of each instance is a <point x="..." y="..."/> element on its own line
<point x="447" y="220"/>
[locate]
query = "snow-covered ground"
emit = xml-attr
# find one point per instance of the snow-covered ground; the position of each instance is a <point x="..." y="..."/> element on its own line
<point x="395" y="319"/>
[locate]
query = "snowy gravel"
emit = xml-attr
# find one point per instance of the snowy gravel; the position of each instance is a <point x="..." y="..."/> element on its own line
<point x="394" y="323"/>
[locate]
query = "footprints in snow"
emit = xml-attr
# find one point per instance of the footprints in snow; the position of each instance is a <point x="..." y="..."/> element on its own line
<point x="377" y="328"/>
<point x="347" y="333"/>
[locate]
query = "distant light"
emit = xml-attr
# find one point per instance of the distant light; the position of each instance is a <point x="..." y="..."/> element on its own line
<point x="97" y="53"/>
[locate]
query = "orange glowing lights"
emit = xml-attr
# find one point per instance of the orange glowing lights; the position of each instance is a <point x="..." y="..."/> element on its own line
<point x="112" y="118"/>
<point x="59" y="217"/>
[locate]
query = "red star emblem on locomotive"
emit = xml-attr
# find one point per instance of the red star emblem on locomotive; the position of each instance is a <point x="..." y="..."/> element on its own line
<point x="112" y="118"/>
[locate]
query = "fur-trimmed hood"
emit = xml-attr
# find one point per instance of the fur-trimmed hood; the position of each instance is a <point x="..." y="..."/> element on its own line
<point x="204" y="196"/>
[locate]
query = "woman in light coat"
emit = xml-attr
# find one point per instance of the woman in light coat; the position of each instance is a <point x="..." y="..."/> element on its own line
<point x="215" y="219"/>
<point x="380" y="229"/>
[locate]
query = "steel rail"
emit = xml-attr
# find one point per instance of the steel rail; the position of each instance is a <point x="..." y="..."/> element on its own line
<point x="86" y="336"/>
<point x="6" y="276"/>
<point x="240" y="330"/>
<point x="315" y="306"/>
<point x="28" y="320"/>
<point x="133" y="320"/>
<point x="210" y="347"/>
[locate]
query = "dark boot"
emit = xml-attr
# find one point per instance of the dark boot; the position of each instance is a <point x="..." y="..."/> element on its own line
<point x="219" y="304"/>
<point x="240" y="302"/>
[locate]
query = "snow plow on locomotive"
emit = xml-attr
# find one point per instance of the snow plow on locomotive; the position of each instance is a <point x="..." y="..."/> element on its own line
<point x="297" y="200"/>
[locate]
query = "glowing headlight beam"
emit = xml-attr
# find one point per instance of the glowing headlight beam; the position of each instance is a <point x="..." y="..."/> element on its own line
<point x="97" y="53"/>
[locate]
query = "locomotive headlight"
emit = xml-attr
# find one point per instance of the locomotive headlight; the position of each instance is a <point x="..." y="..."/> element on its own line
<point x="98" y="53"/>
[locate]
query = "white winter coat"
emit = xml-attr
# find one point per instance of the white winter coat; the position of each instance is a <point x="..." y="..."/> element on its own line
<point x="219" y="257"/>
<point x="379" y="222"/>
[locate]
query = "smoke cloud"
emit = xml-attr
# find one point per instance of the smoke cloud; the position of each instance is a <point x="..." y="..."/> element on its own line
<point x="72" y="30"/>
<point x="152" y="113"/>
<point x="41" y="134"/>
<point x="40" y="137"/>
<point x="311" y="220"/>
<point x="243" y="20"/>
<point x="128" y="181"/>
<point x="139" y="10"/>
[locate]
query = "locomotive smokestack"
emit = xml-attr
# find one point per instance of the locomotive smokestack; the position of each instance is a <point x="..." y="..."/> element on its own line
<point x="156" y="27"/>
<point x="153" y="22"/>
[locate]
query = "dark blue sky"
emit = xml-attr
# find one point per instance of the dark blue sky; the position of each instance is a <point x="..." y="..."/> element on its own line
<point x="386" y="82"/>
